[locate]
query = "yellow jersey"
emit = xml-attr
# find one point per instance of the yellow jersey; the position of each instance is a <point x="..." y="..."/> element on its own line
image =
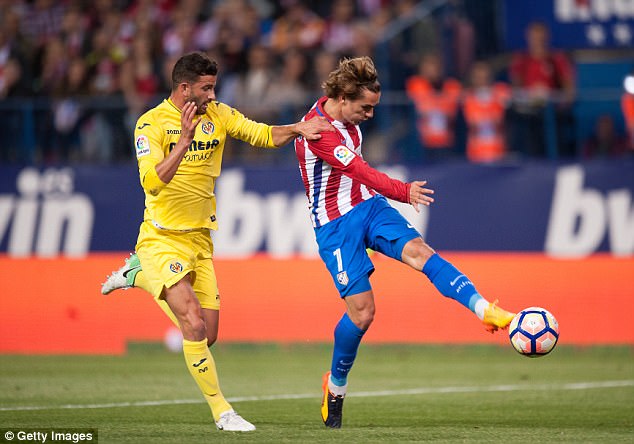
<point x="188" y="202"/>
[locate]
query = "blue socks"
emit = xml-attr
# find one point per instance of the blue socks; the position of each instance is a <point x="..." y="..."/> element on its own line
<point x="347" y="339"/>
<point x="451" y="282"/>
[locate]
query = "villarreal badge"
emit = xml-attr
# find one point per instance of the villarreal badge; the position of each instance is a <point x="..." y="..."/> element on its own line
<point x="176" y="267"/>
<point x="342" y="278"/>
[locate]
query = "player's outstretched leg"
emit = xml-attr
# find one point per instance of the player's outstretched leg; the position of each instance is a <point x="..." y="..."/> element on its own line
<point x="124" y="276"/>
<point x="455" y="285"/>
<point x="332" y="403"/>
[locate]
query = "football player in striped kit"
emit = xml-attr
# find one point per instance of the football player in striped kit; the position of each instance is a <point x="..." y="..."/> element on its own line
<point x="350" y="213"/>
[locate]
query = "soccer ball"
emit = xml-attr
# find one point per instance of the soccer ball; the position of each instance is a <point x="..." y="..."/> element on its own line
<point x="534" y="332"/>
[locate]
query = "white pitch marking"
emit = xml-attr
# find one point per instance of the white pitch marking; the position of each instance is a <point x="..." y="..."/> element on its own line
<point x="406" y="392"/>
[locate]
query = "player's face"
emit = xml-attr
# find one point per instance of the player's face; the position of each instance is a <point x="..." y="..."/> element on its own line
<point x="201" y="92"/>
<point x="361" y="109"/>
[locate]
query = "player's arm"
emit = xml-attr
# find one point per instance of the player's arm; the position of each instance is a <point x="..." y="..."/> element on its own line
<point x="267" y="136"/>
<point x="166" y="169"/>
<point x="309" y="129"/>
<point x="156" y="169"/>
<point x="342" y="158"/>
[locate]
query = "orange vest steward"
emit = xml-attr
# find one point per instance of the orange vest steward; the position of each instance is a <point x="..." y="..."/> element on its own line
<point x="484" y="113"/>
<point x="436" y="110"/>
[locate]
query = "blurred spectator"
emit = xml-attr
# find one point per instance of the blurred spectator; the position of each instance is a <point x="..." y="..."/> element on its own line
<point x="12" y="65"/>
<point x="74" y="33"/>
<point x="53" y="68"/>
<point x="49" y="80"/>
<point x="288" y="95"/>
<point x="178" y="38"/>
<point x="250" y="91"/>
<point x="13" y="39"/>
<point x="103" y="61"/>
<point x="297" y="27"/>
<point x="138" y="81"/>
<point x="11" y="73"/>
<point x="605" y="141"/>
<point x="545" y="82"/>
<point x="253" y="85"/>
<point x="627" y="106"/>
<point x="339" y="35"/>
<point x="322" y="64"/>
<point x="459" y="39"/>
<point x="484" y="109"/>
<point x="413" y="44"/>
<point x="43" y="20"/>
<point x="69" y="114"/>
<point x="157" y="11"/>
<point x="436" y="100"/>
<point x="287" y="92"/>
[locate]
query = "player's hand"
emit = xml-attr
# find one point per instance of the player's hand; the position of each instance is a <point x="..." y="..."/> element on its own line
<point x="418" y="194"/>
<point x="189" y="122"/>
<point x="311" y="129"/>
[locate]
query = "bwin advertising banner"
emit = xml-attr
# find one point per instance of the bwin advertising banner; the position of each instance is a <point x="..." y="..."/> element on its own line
<point x="563" y="210"/>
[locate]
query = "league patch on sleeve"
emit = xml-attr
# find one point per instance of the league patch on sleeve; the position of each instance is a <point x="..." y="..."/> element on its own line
<point x="343" y="155"/>
<point x="142" y="146"/>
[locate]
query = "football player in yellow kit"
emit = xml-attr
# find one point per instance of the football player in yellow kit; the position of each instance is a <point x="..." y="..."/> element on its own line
<point x="179" y="146"/>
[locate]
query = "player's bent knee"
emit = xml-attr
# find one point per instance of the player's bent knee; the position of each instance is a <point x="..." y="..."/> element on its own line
<point x="363" y="318"/>
<point x="416" y="252"/>
<point x="194" y="328"/>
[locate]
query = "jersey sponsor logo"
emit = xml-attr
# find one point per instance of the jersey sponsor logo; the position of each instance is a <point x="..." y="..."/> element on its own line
<point x="343" y="155"/>
<point x="207" y="127"/>
<point x="142" y="145"/>
<point x="342" y="278"/>
<point x="143" y="126"/>
<point x="173" y="131"/>
<point x="199" y="145"/>
<point x="176" y="267"/>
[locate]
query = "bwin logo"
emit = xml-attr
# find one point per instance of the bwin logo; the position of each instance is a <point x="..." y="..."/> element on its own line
<point x="45" y="212"/>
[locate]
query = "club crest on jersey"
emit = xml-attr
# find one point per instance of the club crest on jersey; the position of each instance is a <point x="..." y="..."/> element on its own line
<point x="342" y="278"/>
<point x="142" y="145"/>
<point x="207" y="127"/>
<point x="176" y="267"/>
<point x="343" y="154"/>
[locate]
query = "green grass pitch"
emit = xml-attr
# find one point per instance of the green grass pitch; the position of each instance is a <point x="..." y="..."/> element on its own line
<point x="397" y="393"/>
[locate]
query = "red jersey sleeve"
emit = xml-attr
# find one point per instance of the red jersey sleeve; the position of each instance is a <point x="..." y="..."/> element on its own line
<point x="330" y="149"/>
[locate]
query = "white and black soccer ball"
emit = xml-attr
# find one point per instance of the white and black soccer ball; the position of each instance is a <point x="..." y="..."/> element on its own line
<point x="534" y="332"/>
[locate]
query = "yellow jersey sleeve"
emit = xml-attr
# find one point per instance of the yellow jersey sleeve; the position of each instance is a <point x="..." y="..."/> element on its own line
<point x="247" y="130"/>
<point x="148" y="141"/>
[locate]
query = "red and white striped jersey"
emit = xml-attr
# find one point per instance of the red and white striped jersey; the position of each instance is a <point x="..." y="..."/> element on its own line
<point x="335" y="176"/>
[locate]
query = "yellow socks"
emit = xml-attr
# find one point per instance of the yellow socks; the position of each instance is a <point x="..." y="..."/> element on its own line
<point x="202" y="367"/>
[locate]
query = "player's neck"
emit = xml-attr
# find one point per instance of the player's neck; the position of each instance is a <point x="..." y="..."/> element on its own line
<point x="177" y="100"/>
<point x="332" y="107"/>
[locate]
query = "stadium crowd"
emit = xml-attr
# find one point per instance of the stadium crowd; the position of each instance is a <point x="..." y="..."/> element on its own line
<point x="76" y="74"/>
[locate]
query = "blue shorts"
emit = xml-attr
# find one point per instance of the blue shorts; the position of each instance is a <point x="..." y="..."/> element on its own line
<point x="343" y="242"/>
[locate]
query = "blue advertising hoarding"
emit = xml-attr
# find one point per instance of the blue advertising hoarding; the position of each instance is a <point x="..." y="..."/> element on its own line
<point x="573" y="23"/>
<point x="566" y="210"/>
